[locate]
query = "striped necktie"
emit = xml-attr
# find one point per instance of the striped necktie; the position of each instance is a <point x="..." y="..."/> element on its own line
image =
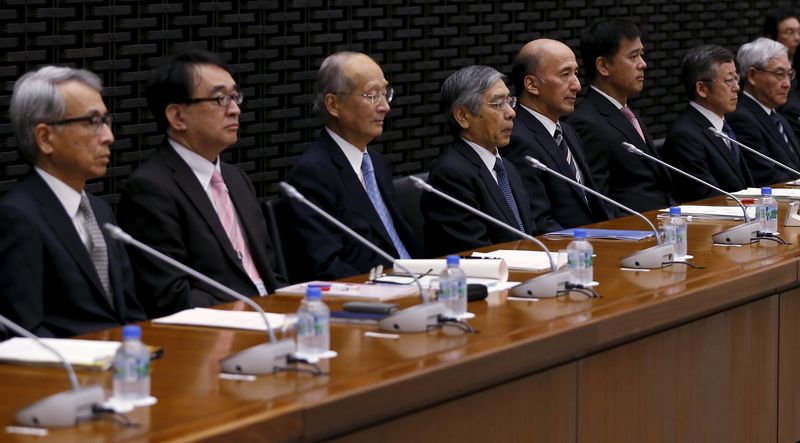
<point x="374" y="194"/>
<point x="97" y="247"/>
<point x="505" y="188"/>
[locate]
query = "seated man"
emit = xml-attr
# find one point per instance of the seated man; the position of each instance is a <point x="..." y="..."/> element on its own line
<point x="767" y="76"/>
<point x="347" y="180"/>
<point x="187" y="203"/>
<point x="709" y="77"/>
<point x="546" y="81"/>
<point x="60" y="274"/>
<point x="480" y="115"/>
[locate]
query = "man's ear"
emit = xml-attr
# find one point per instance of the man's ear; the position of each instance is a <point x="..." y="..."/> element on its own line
<point x="43" y="135"/>
<point x="601" y="65"/>
<point x="174" y="114"/>
<point x="331" y="105"/>
<point x="701" y="89"/>
<point x="462" y="116"/>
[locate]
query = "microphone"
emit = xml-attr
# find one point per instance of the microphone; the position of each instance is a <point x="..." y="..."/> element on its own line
<point x="651" y="258"/>
<point x="63" y="408"/>
<point x="414" y="319"/>
<point x="261" y="359"/>
<point x="737" y="235"/>
<point x="543" y="286"/>
<point x="721" y="134"/>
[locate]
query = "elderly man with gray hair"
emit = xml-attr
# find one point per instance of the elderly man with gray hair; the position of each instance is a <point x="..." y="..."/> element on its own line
<point x="59" y="274"/>
<point x="766" y="75"/>
<point x="346" y="179"/>
<point x="480" y="113"/>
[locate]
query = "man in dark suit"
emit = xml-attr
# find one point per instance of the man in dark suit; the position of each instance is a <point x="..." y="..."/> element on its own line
<point x="346" y="179"/>
<point x="480" y="116"/>
<point x="546" y="83"/>
<point x="709" y="77"/>
<point x="187" y="203"/>
<point x="612" y="55"/>
<point x="60" y="275"/>
<point x="767" y="75"/>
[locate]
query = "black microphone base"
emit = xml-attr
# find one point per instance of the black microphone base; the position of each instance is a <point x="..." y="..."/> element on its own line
<point x="653" y="257"/>
<point x="414" y="319"/>
<point x="738" y="235"/>
<point x="544" y="286"/>
<point x="258" y="360"/>
<point x="62" y="409"/>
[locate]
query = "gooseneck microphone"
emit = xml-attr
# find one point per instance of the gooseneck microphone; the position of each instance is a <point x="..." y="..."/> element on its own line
<point x="721" y="134"/>
<point x="738" y="235"/>
<point x="543" y="286"/>
<point x="260" y="359"/>
<point x="653" y="257"/>
<point x="64" y="408"/>
<point x="414" y="319"/>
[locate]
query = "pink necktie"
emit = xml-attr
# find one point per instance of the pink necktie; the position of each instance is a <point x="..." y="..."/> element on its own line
<point x="634" y="121"/>
<point x="227" y="216"/>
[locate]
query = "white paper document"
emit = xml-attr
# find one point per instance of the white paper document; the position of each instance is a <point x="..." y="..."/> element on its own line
<point x="217" y="318"/>
<point x="496" y="269"/>
<point x="361" y="291"/>
<point x="80" y="353"/>
<point x="523" y="260"/>
<point x="776" y="193"/>
<point x="715" y="212"/>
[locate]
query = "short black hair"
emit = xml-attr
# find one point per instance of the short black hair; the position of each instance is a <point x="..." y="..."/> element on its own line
<point x="602" y="39"/>
<point x="173" y="81"/>
<point x="701" y="63"/>
<point x="774" y="17"/>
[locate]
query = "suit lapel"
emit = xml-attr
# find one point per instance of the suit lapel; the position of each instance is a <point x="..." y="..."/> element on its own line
<point x="770" y="127"/>
<point x="725" y="152"/>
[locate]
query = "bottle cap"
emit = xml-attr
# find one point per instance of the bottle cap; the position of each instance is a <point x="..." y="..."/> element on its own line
<point x="313" y="293"/>
<point x="675" y="210"/>
<point x="131" y="332"/>
<point x="766" y="190"/>
<point x="452" y="260"/>
<point x="579" y="233"/>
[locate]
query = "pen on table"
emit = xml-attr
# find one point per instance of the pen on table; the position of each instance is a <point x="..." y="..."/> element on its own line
<point x="474" y="257"/>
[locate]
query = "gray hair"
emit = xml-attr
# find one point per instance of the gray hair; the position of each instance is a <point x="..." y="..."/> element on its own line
<point x="757" y="53"/>
<point x="465" y="87"/>
<point x="330" y="79"/>
<point x="36" y="99"/>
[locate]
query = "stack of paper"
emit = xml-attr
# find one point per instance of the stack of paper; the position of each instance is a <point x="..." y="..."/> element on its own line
<point x="776" y="192"/>
<point x="361" y="291"/>
<point x="524" y="260"/>
<point x="79" y="353"/>
<point x="605" y="234"/>
<point x="715" y="212"/>
<point x="218" y="318"/>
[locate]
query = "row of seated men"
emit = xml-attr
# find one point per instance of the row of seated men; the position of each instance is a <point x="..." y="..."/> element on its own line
<point x="61" y="273"/>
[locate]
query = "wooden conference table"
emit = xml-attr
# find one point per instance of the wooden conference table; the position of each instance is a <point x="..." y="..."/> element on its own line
<point x="676" y="354"/>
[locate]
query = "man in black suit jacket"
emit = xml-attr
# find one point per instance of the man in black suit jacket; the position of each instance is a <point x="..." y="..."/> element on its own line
<point x="709" y="77"/>
<point x="352" y="98"/>
<point x="612" y="54"/>
<point x="60" y="275"/>
<point x="766" y="74"/>
<point x="480" y="116"/>
<point x="546" y="82"/>
<point x="188" y="204"/>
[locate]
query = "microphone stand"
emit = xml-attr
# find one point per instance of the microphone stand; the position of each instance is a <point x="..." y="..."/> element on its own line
<point x="265" y="358"/>
<point x="738" y="235"/>
<point x="721" y="134"/>
<point x="544" y="286"/>
<point x="417" y="318"/>
<point x="653" y="257"/>
<point x="63" y="408"/>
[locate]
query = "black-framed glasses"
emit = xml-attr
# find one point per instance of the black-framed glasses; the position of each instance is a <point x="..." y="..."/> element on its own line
<point x="730" y="81"/>
<point x="387" y="95"/>
<point x="221" y="100"/>
<point x="511" y="101"/>
<point x="95" y="121"/>
<point x="780" y="75"/>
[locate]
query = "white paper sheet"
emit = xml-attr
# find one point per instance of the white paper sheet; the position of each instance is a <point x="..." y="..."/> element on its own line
<point x="524" y="260"/>
<point x="776" y="192"/>
<point x="715" y="212"/>
<point x="82" y="353"/>
<point x="495" y="269"/>
<point x="217" y="318"/>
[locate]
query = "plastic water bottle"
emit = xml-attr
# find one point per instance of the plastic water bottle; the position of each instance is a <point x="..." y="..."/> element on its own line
<point x="453" y="288"/>
<point x="313" y="325"/>
<point x="675" y="232"/>
<point x="132" y="367"/>
<point x="767" y="211"/>
<point x="579" y="259"/>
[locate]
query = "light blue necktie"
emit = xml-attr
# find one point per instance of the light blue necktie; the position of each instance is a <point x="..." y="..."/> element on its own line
<point x="375" y="196"/>
<point x="505" y="188"/>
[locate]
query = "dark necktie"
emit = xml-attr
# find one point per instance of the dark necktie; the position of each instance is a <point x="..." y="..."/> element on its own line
<point x="774" y="116"/>
<point x="505" y="188"/>
<point x="98" y="251"/>
<point x="726" y="128"/>
<point x="377" y="201"/>
<point x="562" y="143"/>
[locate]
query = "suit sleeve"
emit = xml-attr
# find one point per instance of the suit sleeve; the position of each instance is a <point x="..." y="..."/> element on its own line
<point x="540" y="213"/>
<point x="685" y="151"/>
<point x="597" y="149"/>
<point x="748" y="132"/>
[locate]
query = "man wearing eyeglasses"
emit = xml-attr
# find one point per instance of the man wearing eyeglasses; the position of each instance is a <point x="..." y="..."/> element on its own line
<point x="712" y="85"/>
<point x="545" y="75"/>
<point x="350" y="181"/>
<point x="767" y="75"/>
<point x="60" y="275"/>
<point x="187" y="203"/>
<point x="480" y="114"/>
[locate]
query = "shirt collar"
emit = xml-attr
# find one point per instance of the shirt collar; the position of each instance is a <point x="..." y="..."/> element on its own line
<point x="202" y="168"/>
<point x="70" y="199"/>
<point x="486" y="156"/>
<point x="548" y="124"/>
<point x="712" y="117"/>
<point x="353" y="154"/>
<point x="608" y="97"/>
<point x="766" y="109"/>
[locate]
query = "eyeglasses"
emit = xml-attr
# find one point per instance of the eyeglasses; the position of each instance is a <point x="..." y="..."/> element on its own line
<point x="788" y="32"/>
<point x="730" y="81"/>
<point x="95" y="120"/>
<point x="221" y="100"/>
<point x="511" y="101"/>
<point x="387" y="95"/>
<point x="779" y="75"/>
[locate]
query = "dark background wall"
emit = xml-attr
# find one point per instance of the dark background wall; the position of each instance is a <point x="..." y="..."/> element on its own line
<point x="275" y="48"/>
